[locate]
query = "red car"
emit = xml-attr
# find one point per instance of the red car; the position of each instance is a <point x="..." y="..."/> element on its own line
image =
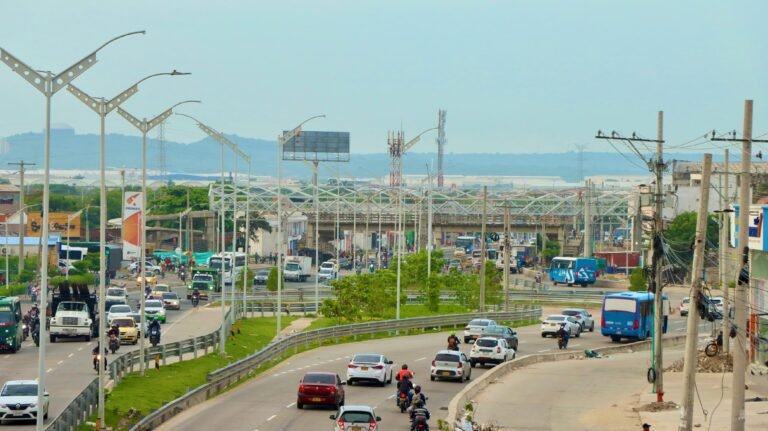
<point x="320" y="388"/>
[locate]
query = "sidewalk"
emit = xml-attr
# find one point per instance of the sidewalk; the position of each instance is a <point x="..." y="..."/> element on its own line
<point x="604" y="394"/>
<point x="297" y="325"/>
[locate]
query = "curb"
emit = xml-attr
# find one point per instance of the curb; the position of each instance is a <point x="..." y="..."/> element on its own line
<point x="456" y="406"/>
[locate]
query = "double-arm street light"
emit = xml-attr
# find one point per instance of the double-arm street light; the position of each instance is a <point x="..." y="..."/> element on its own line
<point x="223" y="141"/>
<point x="49" y="84"/>
<point x="145" y="126"/>
<point x="102" y="107"/>
<point x="283" y="138"/>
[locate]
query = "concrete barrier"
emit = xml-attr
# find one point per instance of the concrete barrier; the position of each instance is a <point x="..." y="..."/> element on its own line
<point x="456" y="406"/>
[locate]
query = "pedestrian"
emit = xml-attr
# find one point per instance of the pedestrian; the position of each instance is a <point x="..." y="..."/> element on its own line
<point x="646" y="427"/>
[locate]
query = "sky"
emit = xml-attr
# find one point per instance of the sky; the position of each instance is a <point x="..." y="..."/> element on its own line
<point x="514" y="76"/>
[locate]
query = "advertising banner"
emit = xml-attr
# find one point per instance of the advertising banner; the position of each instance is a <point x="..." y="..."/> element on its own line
<point x="57" y="223"/>
<point x="133" y="208"/>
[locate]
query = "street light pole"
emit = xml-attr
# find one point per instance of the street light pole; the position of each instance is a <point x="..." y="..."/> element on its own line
<point x="103" y="107"/>
<point x="49" y="84"/>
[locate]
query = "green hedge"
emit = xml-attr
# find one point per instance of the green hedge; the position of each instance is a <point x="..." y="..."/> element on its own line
<point x="14" y="289"/>
<point x="74" y="279"/>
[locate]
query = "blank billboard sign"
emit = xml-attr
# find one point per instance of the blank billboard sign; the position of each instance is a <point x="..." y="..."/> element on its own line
<point x="317" y="146"/>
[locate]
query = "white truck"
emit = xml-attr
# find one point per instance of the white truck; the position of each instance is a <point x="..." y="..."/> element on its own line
<point x="72" y="320"/>
<point x="297" y="268"/>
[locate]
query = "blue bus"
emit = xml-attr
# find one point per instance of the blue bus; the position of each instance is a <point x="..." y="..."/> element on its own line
<point x="630" y="315"/>
<point x="467" y="243"/>
<point x="573" y="270"/>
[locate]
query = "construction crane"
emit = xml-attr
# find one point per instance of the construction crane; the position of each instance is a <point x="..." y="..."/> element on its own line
<point x="396" y="151"/>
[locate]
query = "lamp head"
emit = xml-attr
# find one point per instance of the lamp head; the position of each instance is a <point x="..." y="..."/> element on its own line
<point x="176" y="72"/>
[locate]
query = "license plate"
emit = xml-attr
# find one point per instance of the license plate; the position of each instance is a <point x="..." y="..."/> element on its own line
<point x="18" y="413"/>
<point x="356" y="429"/>
<point x="364" y="368"/>
<point x="69" y="330"/>
<point x="317" y="399"/>
<point x="445" y="373"/>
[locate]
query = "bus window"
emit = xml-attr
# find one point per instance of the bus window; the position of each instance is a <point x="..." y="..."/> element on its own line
<point x="620" y="304"/>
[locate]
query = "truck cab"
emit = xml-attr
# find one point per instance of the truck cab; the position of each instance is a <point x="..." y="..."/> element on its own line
<point x="73" y="311"/>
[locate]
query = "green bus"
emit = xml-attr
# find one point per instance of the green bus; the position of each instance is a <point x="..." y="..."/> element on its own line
<point x="11" y="330"/>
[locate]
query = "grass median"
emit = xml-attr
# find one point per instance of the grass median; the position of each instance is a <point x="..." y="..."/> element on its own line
<point x="137" y="396"/>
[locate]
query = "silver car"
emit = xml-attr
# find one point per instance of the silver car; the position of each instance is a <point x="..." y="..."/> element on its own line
<point x="552" y="323"/>
<point x="475" y="328"/>
<point x="18" y="401"/>
<point x="583" y="317"/>
<point x="350" y="418"/>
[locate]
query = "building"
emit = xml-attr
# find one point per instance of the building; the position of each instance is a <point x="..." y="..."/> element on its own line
<point x="266" y="243"/>
<point x="9" y="199"/>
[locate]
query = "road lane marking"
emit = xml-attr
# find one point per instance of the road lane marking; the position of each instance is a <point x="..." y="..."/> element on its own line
<point x="271" y="417"/>
<point x="81" y="349"/>
<point x="545" y="350"/>
<point x="390" y="397"/>
<point x="6" y="356"/>
<point x="70" y="355"/>
<point x="49" y="370"/>
<point x="421" y="359"/>
<point x="290" y="405"/>
<point x="60" y="362"/>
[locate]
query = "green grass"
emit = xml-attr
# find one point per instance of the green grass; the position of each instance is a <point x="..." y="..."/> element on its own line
<point x="174" y="380"/>
<point x="406" y="311"/>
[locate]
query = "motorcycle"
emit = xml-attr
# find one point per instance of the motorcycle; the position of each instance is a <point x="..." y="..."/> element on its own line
<point x="562" y="343"/>
<point x="154" y="337"/>
<point x="420" y="424"/>
<point x="97" y="360"/>
<point x="195" y="300"/>
<point x="402" y="402"/>
<point x="36" y="331"/>
<point x="114" y="344"/>
<point x="24" y="331"/>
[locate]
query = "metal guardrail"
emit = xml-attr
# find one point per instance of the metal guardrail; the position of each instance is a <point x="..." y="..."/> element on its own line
<point x="82" y="407"/>
<point x="224" y="377"/>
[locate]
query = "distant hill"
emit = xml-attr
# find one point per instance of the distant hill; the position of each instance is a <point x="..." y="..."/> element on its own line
<point x="73" y="151"/>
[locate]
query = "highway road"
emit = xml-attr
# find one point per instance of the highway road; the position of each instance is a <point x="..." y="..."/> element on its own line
<point x="268" y="402"/>
<point x="68" y="363"/>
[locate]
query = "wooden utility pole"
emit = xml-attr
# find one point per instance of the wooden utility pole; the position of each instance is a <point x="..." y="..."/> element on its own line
<point x="692" y="335"/>
<point x="483" y="250"/>
<point x="22" y="220"/>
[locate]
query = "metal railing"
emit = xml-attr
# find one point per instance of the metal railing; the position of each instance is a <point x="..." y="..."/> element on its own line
<point x="82" y="407"/>
<point x="224" y="377"/>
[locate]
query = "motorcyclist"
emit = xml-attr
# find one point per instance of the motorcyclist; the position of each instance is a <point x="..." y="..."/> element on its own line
<point x="113" y="330"/>
<point x="34" y="312"/>
<point x="95" y="353"/>
<point x="418" y="395"/>
<point x="419" y="414"/>
<point x="563" y="333"/>
<point x="453" y="342"/>
<point x="154" y="326"/>
<point x="404" y="372"/>
<point x="405" y="386"/>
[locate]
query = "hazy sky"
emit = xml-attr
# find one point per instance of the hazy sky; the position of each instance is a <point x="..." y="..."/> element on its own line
<point x="514" y="76"/>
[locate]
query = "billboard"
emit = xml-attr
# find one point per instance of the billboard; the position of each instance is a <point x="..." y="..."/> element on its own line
<point x="758" y="224"/>
<point x="133" y="208"/>
<point x="317" y="146"/>
<point x="57" y="223"/>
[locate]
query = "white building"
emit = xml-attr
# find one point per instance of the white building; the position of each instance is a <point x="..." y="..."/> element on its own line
<point x="266" y="243"/>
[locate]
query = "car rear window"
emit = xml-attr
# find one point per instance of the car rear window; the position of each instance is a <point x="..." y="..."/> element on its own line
<point x="486" y="342"/>
<point x="153" y="304"/>
<point x="169" y="295"/>
<point x="360" y="417"/>
<point x="371" y="359"/>
<point x="570" y="312"/>
<point x="447" y="357"/>
<point x="327" y="379"/>
<point x="478" y="323"/>
<point x="556" y="318"/>
<point x="120" y="309"/>
<point x="115" y="292"/>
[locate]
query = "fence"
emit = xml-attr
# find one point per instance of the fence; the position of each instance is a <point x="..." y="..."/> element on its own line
<point x="83" y="406"/>
<point x="233" y="373"/>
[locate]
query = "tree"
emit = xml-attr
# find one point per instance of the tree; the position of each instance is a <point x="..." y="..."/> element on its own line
<point x="680" y="233"/>
<point x="637" y="281"/>
<point x="551" y="250"/>
<point x="272" y="279"/>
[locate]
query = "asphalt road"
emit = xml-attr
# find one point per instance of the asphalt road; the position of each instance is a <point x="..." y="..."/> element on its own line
<point x="68" y="362"/>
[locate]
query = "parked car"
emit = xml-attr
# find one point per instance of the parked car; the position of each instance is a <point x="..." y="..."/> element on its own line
<point x="450" y="364"/>
<point x="118" y="310"/>
<point x="475" y="327"/>
<point x="18" y="401"/>
<point x="148" y="266"/>
<point x="370" y="368"/>
<point x="490" y="350"/>
<point x="261" y="277"/>
<point x="684" y="305"/>
<point x="345" y="263"/>
<point x="171" y="301"/>
<point x="154" y="309"/>
<point x="504" y="332"/>
<point x="583" y="317"/>
<point x="552" y="323"/>
<point x="129" y="331"/>
<point x="353" y="418"/>
<point x="320" y="388"/>
<point x="326" y="274"/>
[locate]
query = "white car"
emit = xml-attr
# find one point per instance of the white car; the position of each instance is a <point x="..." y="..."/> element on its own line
<point x="148" y="266"/>
<point x="552" y="323"/>
<point x="118" y="310"/>
<point x="326" y="274"/>
<point x="353" y="418"/>
<point x="583" y="317"/>
<point x="18" y="401"/>
<point x="476" y="327"/>
<point x="117" y="295"/>
<point x="369" y="367"/>
<point x="684" y="305"/>
<point x="155" y="309"/>
<point x="490" y="350"/>
<point x="450" y="364"/>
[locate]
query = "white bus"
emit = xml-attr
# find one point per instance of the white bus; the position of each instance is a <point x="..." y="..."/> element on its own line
<point x="230" y="272"/>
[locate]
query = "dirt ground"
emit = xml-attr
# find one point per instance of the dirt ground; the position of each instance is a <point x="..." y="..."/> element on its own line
<point x="715" y="364"/>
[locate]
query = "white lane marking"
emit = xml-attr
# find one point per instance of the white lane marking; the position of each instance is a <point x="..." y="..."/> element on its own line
<point x="291" y="370"/>
<point x="338" y="359"/>
<point x="575" y="345"/>
<point x="49" y="370"/>
<point x="271" y="417"/>
<point x="545" y="350"/>
<point x="390" y="397"/>
<point x="421" y="359"/>
<point x="680" y="329"/>
<point x="6" y="356"/>
<point x="81" y="349"/>
<point x="60" y="362"/>
<point x="70" y="355"/>
<point x="290" y="405"/>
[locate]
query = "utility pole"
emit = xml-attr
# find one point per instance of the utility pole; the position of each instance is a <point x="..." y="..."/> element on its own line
<point x="692" y="334"/>
<point x="658" y="167"/>
<point x="122" y="207"/>
<point x="483" y="250"/>
<point x="506" y="256"/>
<point x="588" y="220"/>
<point x="725" y="258"/>
<point x="22" y="224"/>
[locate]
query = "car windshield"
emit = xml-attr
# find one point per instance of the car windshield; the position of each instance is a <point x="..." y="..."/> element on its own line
<point x="115" y="292"/>
<point x="153" y="304"/>
<point x="447" y="357"/>
<point x="200" y="285"/>
<point x="6" y="316"/>
<point x="686" y="300"/>
<point x="124" y="323"/>
<point x="120" y="309"/>
<point x="170" y="295"/>
<point x="161" y="288"/>
<point x="556" y="318"/>
<point x="263" y="273"/>
<point x="358" y="417"/>
<point x="370" y="359"/>
<point x="478" y="323"/>
<point x="19" y="391"/>
<point x="486" y="342"/>
<point x="292" y="267"/>
<point x="203" y="277"/>
<point x="326" y="271"/>
<point x="327" y="379"/>
<point x="71" y="306"/>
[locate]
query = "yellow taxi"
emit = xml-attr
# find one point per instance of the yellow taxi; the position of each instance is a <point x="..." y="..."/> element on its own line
<point x="129" y="333"/>
<point x="159" y="289"/>
<point x="149" y="276"/>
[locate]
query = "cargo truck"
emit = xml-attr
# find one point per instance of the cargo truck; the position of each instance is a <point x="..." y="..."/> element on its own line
<point x="297" y="268"/>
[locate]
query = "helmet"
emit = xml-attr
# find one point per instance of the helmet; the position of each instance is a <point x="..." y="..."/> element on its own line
<point x="417" y="389"/>
<point x="453" y="334"/>
<point x="34" y="305"/>
<point x="404" y="367"/>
